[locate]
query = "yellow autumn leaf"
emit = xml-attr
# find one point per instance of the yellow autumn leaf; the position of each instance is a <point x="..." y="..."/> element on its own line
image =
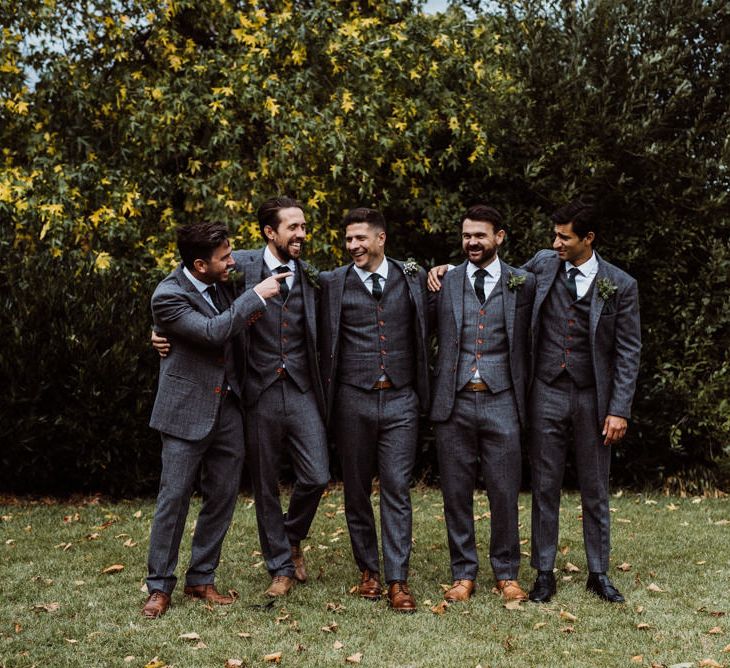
<point x="347" y="104"/>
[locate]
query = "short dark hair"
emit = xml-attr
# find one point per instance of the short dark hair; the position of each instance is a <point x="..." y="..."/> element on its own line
<point x="198" y="241"/>
<point x="484" y="213"/>
<point x="579" y="212"/>
<point x="268" y="212"/>
<point x="362" y="214"/>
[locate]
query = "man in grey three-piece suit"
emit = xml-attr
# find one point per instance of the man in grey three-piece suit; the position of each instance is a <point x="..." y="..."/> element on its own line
<point x="197" y="410"/>
<point x="283" y="395"/>
<point x="283" y="398"/>
<point x="587" y="340"/>
<point x="373" y="351"/>
<point x="479" y="392"/>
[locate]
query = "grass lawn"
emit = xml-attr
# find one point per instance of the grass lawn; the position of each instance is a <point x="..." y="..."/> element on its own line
<point x="671" y="559"/>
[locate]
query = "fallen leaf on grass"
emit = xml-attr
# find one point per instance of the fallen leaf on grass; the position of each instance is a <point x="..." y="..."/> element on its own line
<point x="439" y="608"/>
<point x="129" y="658"/>
<point x="233" y="663"/>
<point x="18" y="627"/>
<point x="715" y="631"/>
<point x="624" y="567"/>
<point x="335" y="607"/>
<point x="567" y="616"/>
<point x="337" y="644"/>
<point x="709" y="663"/>
<point x="63" y="546"/>
<point x="513" y="605"/>
<point x="354" y="589"/>
<point x="571" y="568"/>
<point x="655" y="588"/>
<point x="726" y="649"/>
<point x="564" y="550"/>
<point x="639" y="609"/>
<point x="567" y="629"/>
<point x="138" y="514"/>
<point x="539" y="625"/>
<point x="623" y="520"/>
<point x="722" y="523"/>
<point x="155" y="663"/>
<point x="200" y="645"/>
<point x="330" y="628"/>
<point x="671" y="506"/>
<point x="643" y="626"/>
<point x="47" y="607"/>
<point x="93" y="536"/>
<point x="245" y="635"/>
<point x="300" y="648"/>
<point x="682" y="665"/>
<point x="129" y="543"/>
<point x="71" y="641"/>
<point x="114" y="568"/>
<point x="189" y="636"/>
<point x="275" y="657"/>
<point x="639" y="658"/>
<point x="355" y="658"/>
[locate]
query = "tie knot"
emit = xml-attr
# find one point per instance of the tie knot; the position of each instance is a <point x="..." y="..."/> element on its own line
<point x="573" y="272"/>
<point x="375" y="278"/>
<point x="282" y="269"/>
<point x="481" y="273"/>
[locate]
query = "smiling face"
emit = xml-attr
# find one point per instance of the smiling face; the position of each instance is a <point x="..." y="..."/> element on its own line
<point x="287" y="240"/>
<point x="570" y="246"/>
<point x="366" y="245"/>
<point x="479" y="241"/>
<point x="217" y="267"/>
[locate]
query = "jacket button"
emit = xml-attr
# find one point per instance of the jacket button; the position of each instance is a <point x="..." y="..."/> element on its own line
<point x="217" y="390"/>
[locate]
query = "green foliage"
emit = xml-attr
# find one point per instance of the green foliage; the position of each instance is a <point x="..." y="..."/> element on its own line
<point x="147" y="114"/>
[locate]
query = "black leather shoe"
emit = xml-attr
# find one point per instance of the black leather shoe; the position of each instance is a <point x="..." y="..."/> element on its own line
<point x="601" y="586"/>
<point x="544" y="588"/>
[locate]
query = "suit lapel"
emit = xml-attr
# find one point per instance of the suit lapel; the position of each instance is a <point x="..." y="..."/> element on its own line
<point x="597" y="301"/>
<point x="456" y="295"/>
<point x="254" y="269"/>
<point x="308" y="297"/>
<point x="195" y="294"/>
<point x="509" y="300"/>
<point x="338" y="288"/>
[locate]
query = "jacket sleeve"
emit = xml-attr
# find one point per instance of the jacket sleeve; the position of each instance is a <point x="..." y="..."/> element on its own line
<point x="173" y="313"/>
<point x="627" y="352"/>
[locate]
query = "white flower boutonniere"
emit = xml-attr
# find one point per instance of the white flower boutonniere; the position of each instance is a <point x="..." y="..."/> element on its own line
<point x="606" y="289"/>
<point x="410" y="267"/>
<point x="516" y="281"/>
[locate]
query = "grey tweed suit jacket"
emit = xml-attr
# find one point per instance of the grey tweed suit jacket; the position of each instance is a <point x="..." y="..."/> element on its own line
<point x="333" y="287"/>
<point x="250" y="263"/>
<point x="191" y="377"/>
<point x="450" y="316"/>
<point x="614" y="330"/>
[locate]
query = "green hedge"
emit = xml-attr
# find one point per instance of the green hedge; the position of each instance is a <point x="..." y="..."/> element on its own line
<point x="151" y="114"/>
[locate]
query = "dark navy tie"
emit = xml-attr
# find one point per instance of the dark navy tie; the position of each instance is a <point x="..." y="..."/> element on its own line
<point x="377" y="288"/>
<point x="283" y="286"/>
<point x="479" y="275"/>
<point x="570" y="281"/>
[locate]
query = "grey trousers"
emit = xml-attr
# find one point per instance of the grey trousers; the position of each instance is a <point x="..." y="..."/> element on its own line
<point x="376" y="434"/>
<point x="219" y="458"/>
<point x="559" y="412"/>
<point x="482" y="429"/>
<point x="285" y="420"/>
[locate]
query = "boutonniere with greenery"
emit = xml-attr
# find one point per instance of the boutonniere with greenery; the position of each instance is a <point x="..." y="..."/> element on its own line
<point x="236" y="278"/>
<point x="410" y="267"/>
<point x="516" y="281"/>
<point x="312" y="275"/>
<point x="606" y="289"/>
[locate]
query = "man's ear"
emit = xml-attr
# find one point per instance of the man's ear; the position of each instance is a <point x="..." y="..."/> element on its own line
<point x="590" y="238"/>
<point x="201" y="266"/>
<point x="269" y="232"/>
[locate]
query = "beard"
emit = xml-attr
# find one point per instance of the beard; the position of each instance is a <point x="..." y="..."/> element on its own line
<point x="487" y="254"/>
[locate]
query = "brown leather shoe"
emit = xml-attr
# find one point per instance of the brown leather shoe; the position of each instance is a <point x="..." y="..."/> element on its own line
<point x="369" y="586"/>
<point x="300" y="570"/>
<point x="208" y="592"/>
<point x="461" y="590"/>
<point x="510" y="590"/>
<point x="157" y="604"/>
<point x="400" y="597"/>
<point x="280" y="586"/>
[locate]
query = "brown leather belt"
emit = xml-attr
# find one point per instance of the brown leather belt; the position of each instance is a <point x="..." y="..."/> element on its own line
<point x="476" y="386"/>
<point x="383" y="385"/>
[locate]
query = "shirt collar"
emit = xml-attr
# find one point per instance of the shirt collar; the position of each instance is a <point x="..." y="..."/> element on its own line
<point x="273" y="263"/>
<point x="494" y="268"/>
<point x="382" y="271"/>
<point x="197" y="283"/>
<point x="589" y="267"/>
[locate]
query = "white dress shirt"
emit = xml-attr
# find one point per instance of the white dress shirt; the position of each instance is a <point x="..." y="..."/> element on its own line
<point x="366" y="276"/>
<point x="273" y="263"/>
<point x="494" y="272"/>
<point x="200" y="287"/>
<point x="586" y="273"/>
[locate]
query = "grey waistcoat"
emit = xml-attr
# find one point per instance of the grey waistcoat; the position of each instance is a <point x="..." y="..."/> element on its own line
<point x="564" y="344"/>
<point x="376" y="336"/>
